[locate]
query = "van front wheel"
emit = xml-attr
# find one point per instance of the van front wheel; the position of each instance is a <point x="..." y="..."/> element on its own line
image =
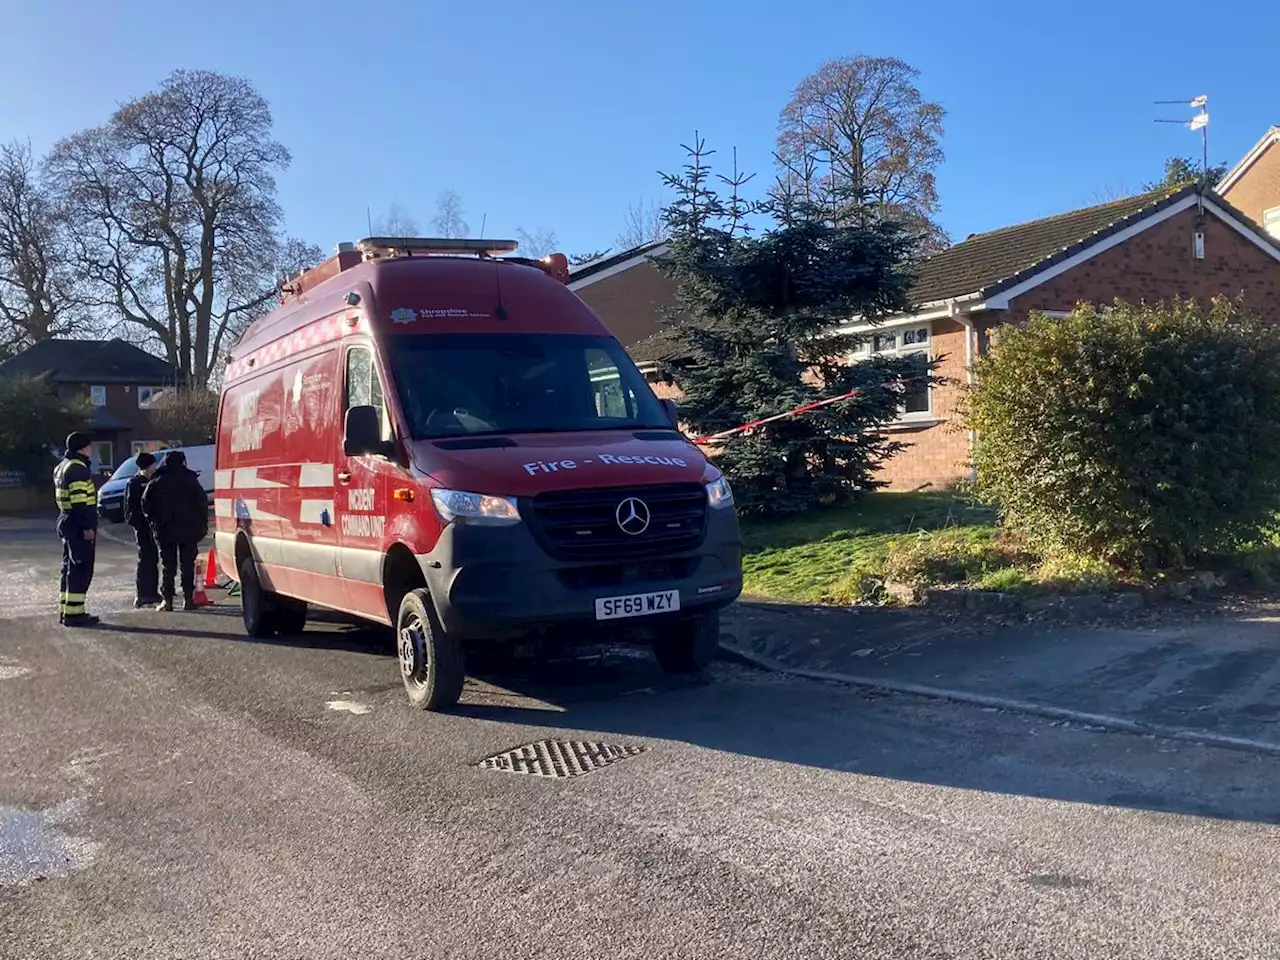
<point x="431" y="662"/>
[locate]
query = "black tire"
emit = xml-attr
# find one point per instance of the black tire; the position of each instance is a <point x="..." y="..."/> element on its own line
<point x="289" y="615"/>
<point x="268" y="614"/>
<point x="255" y="606"/>
<point x="432" y="664"/>
<point x="690" y="645"/>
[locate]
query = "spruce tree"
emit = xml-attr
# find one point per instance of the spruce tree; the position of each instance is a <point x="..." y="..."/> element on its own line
<point x="756" y="334"/>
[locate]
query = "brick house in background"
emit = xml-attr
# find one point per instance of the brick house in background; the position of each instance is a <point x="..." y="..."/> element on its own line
<point x="120" y="381"/>
<point x="1155" y="246"/>
<point x="1252" y="186"/>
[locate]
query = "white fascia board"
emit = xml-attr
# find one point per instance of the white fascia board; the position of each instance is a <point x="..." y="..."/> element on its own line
<point x="1249" y="233"/>
<point x="617" y="268"/>
<point x="937" y="310"/>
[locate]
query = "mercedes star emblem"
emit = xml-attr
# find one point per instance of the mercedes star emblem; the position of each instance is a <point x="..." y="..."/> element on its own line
<point x="632" y="516"/>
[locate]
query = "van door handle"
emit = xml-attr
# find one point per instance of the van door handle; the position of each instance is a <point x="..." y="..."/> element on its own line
<point x="344" y="477"/>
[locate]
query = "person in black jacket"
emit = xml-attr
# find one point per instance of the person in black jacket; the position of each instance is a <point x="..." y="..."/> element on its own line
<point x="148" y="578"/>
<point x="175" y="505"/>
<point x="77" y="500"/>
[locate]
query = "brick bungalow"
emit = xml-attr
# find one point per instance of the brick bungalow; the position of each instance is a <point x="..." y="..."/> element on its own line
<point x="120" y="381"/>
<point x="1155" y="246"/>
<point x="1252" y="186"/>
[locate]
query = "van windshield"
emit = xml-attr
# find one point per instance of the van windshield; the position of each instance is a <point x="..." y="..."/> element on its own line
<point x="465" y="384"/>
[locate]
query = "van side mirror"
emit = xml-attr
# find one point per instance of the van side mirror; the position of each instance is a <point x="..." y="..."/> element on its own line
<point x="673" y="412"/>
<point x="362" y="433"/>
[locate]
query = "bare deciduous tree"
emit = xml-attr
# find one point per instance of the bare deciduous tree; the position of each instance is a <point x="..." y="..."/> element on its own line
<point x="396" y="222"/>
<point x="186" y="415"/>
<point x="37" y="285"/>
<point x="537" y="243"/>
<point x="449" y="220"/>
<point x="1110" y="191"/>
<point x="644" y="224"/>
<point x="871" y="134"/>
<point x="175" y="216"/>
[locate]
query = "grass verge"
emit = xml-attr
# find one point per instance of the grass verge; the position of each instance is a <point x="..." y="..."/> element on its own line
<point x="849" y="554"/>
<point x="834" y="556"/>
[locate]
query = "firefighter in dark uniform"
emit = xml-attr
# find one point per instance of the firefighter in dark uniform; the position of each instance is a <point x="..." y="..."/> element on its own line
<point x="78" y="529"/>
<point x="148" y="579"/>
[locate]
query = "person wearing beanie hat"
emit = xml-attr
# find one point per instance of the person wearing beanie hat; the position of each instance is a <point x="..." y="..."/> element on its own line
<point x="77" y="500"/>
<point x="147" y="581"/>
<point x="176" y="507"/>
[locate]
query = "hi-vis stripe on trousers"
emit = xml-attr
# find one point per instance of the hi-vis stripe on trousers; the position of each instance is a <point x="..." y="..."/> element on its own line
<point x="77" y="574"/>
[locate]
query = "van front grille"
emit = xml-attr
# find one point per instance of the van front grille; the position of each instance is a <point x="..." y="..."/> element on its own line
<point x="584" y="524"/>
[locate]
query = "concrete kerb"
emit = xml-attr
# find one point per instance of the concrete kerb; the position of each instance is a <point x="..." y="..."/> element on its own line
<point x="1106" y="721"/>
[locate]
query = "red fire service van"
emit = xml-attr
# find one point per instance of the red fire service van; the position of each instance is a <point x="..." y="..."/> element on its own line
<point x="436" y="437"/>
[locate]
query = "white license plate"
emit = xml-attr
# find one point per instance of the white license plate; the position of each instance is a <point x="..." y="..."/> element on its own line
<point x="638" y="605"/>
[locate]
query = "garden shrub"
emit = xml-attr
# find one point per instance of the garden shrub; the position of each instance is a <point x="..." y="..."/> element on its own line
<point x="1132" y="434"/>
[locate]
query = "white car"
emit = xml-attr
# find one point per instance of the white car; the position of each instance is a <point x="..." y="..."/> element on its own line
<point x="111" y="494"/>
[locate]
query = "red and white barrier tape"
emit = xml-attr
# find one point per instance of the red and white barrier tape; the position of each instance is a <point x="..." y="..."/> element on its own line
<point x="803" y="408"/>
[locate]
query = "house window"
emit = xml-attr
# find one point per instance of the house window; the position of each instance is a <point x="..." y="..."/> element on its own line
<point x="910" y="341"/>
<point x="102" y="455"/>
<point x="98" y="396"/>
<point x="1271" y="221"/>
<point x="147" y="446"/>
<point x="147" y="397"/>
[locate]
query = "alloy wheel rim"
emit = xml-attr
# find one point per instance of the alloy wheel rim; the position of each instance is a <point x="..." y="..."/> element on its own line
<point x="412" y="651"/>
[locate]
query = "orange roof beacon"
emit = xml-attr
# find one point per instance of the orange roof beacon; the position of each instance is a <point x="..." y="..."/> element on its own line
<point x="439" y="436"/>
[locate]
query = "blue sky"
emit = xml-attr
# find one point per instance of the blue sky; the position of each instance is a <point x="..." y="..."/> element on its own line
<point x="558" y="114"/>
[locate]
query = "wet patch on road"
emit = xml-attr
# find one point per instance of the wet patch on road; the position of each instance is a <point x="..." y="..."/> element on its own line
<point x="1058" y="881"/>
<point x="12" y="669"/>
<point x="349" y="706"/>
<point x="33" y="847"/>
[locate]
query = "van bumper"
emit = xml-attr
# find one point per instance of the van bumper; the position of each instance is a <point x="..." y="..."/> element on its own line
<point x="492" y="583"/>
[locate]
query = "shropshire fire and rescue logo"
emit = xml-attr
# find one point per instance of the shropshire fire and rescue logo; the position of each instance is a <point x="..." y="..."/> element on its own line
<point x="403" y="315"/>
<point x="632" y="516"/>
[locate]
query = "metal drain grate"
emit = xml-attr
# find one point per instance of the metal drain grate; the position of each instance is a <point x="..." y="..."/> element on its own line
<point x="559" y="758"/>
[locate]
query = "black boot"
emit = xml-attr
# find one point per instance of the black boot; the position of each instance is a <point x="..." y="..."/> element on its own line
<point x="189" y="603"/>
<point x="80" y="620"/>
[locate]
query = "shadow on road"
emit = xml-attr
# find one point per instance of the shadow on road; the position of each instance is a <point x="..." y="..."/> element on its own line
<point x="620" y="693"/>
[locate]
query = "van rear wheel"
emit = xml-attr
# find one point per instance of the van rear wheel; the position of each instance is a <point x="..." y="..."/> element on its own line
<point x="289" y="616"/>
<point x="690" y="645"/>
<point x="267" y="614"/>
<point x="253" y="602"/>
<point x="432" y="664"/>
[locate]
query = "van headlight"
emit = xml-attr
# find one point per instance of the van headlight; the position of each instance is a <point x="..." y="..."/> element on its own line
<point x="719" y="493"/>
<point x="474" y="507"/>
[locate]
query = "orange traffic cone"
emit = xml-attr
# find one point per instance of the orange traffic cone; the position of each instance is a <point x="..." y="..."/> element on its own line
<point x="199" y="595"/>
<point x="211" y="571"/>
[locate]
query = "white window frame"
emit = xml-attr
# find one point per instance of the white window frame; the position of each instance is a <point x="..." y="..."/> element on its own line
<point x="897" y="328"/>
<point x="98" y="395"/>
<point x="1271" y="221"/>
<point x="152" y="395"/>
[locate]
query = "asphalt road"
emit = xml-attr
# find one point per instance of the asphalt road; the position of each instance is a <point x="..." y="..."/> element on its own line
<point x="171" y="789"/>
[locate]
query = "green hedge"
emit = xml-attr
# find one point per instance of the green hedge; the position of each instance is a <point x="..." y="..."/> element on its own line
<point x="1136" y="434"/>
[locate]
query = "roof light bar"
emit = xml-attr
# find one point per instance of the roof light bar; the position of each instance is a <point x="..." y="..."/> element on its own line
<point x="374" y="247"/>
